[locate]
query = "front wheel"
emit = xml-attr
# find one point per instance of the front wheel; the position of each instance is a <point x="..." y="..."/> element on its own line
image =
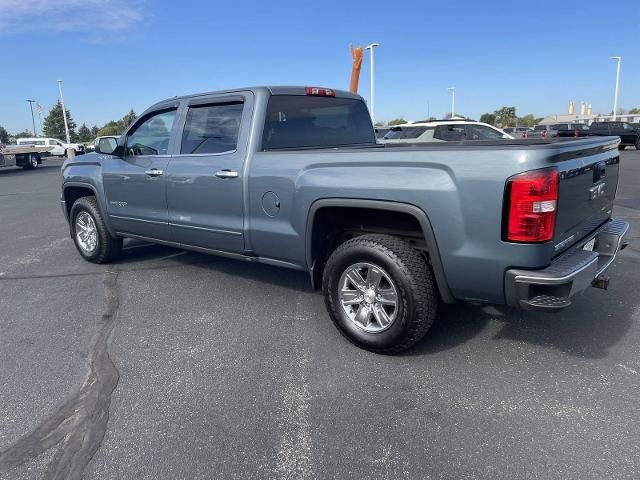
<point x="380" y="293"/>
<point x="90" y="234"/>
<point x="638" y="143"/>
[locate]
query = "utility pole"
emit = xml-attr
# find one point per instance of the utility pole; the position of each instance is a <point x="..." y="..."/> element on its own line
<point x="370" y="47"/>
<point x="615" y="95"/>
<point x="64" y="112"/>
<point x="453" y="100"/>
<point x="33" y="120"/>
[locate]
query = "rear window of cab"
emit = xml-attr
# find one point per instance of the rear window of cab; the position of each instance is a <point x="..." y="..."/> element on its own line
<point x="295" y="121"/>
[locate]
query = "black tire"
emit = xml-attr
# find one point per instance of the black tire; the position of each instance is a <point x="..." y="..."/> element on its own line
<point x="638" y="143"/>
<point x="417" y="297"/>
<point x="107" y="247"/>
<point x="32" y="162"/>
<point x="621" y="147"/>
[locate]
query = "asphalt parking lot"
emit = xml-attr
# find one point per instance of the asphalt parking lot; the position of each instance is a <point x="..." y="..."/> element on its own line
<point x="171" y="364"/>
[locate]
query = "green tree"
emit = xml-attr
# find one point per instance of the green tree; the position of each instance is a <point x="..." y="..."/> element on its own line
<point x="110" y="128"/>
<point x="505" y="116"/>
<point x="84" y="134"/>
<point x="127" y="120"/>
<point x="94" y="131"/>
<point x="527" y="121"/>
<point x="4" y="135"/>
<point x="635" y="111"/>
<point x="396" y="121"/>
<point x="24" y="134"/>
<point x="53" y="125"/>
<point x="489" y="118"/>
<point x="378" y="124"/>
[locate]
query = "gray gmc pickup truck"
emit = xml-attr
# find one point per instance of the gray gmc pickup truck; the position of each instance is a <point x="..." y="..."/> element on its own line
<point x="293" y="177"/>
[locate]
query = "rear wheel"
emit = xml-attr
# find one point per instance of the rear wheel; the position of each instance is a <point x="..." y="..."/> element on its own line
<point x="380" y="293"/>
<point x="638" y="143"/>
<point x="32" y="162"/>
<point x="90" y="234"/>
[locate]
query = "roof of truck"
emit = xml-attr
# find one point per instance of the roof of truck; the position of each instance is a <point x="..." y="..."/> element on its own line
<point x="271" y="90"/>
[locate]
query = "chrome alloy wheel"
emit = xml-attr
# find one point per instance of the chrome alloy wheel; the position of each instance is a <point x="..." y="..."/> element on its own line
<point x="86" y="232"/>
<point x="368" y="297"/>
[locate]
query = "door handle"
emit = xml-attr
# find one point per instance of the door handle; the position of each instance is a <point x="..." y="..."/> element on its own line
<point x="226" y="174"/>
<point x="154" y="172"/>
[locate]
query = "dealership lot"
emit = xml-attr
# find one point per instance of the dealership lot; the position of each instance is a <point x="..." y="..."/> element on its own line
<point x="233" y="370"/>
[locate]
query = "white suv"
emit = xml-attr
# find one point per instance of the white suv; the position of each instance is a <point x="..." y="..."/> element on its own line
<point x="443" y="131"/>
<point x="59" y="147"/>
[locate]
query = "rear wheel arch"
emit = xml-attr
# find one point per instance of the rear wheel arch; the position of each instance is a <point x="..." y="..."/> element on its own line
<point x="314" y="235"/>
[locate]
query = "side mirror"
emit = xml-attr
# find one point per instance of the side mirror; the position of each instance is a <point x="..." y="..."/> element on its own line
<point x="106" y="145"/>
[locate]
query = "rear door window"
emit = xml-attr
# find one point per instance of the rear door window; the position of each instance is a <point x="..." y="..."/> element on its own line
<point x="482" y="132"/>
<point x="450" y="133"/>
<point x="212" y="128"/>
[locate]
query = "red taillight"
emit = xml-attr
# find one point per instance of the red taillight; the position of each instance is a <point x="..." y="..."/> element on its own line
<point x="320" y="92"/>
<point x="530" y="206"/>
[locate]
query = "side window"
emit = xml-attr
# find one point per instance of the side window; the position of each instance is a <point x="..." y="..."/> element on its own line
<point x="449" y="133"/>
<point x="151" y="137"/>
<point x="212" y="128"/>
<point x="53" y="142"/>
<point x="427" y="135"/>
<point x="481" y="132"/>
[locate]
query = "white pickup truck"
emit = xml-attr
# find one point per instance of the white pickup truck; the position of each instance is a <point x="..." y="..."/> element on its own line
<point x="25" y="156"/>
<point x="58" y="147"/>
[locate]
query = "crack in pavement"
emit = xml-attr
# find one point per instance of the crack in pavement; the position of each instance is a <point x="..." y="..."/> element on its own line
<point x="78" y="426"/>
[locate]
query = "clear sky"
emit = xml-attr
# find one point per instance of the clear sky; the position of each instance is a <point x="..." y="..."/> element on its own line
<point x="114" y="55"/>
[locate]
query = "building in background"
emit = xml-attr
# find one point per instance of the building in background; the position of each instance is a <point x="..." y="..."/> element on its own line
<point x="586" y="116"/>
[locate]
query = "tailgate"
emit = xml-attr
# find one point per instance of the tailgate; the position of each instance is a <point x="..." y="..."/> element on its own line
<point x="586" y="193"/>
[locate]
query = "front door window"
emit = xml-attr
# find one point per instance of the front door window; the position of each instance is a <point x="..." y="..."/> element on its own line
<point x="151" y="137"/>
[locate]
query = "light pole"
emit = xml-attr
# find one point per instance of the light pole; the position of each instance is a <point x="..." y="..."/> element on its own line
<point x="453" y="100"/>
<point x="615" y="95"/>
<point x="370" y="47"/>
<point x="33" y="120"/>
<point x="64" y="112"/>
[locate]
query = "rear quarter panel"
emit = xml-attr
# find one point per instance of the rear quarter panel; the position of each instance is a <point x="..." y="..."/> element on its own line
<point x="459" y="188"/>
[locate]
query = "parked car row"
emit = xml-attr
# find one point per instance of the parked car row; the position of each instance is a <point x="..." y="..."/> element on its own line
<point x="443" y="131"/>
<point x="459" y="130"/>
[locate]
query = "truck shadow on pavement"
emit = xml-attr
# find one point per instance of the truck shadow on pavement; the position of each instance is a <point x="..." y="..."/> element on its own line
<point x="144" y="255"/>
<point x="19" y="171"/>
<point x="589" y="328"/>
<point x="596" y="321"/>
